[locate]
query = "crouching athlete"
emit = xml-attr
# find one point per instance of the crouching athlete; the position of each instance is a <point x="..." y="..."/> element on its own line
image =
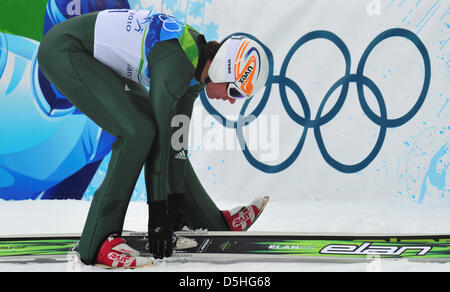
<point x="131" y="72"/>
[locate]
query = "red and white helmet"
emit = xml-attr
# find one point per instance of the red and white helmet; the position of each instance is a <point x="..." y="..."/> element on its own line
<point x="243" y="64"/>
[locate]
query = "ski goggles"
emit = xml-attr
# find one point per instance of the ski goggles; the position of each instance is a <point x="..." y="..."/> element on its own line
<point x="234" y="91"/>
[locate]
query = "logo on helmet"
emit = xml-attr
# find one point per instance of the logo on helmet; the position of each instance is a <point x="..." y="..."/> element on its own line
<point x="244" y="78"/>
<point x="247" y="73"/>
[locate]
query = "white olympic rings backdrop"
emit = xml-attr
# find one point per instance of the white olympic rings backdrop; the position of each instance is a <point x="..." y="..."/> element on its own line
<point x="355" y="106"/>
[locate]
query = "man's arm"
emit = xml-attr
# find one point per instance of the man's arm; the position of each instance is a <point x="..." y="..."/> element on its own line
<point x="170" y="77"/>
<point x="171" y="73"/>
<point x="179" y="138"/>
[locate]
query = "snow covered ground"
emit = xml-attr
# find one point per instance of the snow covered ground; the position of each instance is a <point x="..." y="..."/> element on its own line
<point x="33" y="217"/>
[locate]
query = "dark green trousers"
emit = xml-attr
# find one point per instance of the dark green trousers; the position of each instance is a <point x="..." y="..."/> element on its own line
<point x="66" y="59"/>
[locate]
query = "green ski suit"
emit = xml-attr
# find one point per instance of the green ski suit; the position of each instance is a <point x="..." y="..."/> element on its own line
<point x="140" y="119"/>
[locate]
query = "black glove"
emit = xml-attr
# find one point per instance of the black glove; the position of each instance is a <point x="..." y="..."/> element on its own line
<point x="177" y="213"/>
<point x="160" y="230"/>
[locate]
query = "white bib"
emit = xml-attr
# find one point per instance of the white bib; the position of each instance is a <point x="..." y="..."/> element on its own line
<point x="119" y="42"/>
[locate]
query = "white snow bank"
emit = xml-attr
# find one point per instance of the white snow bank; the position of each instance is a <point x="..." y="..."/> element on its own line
<point x="34" y="217"/>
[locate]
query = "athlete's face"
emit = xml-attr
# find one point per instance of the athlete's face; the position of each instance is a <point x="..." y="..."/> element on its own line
<point x="218" y="91"/>
<point x="215" y="90"/>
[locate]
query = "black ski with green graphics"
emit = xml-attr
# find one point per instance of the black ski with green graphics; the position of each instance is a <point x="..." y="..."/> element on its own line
<point x="237" y="246"/>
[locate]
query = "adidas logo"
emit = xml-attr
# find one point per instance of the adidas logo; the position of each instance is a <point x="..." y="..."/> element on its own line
<point x="181" y="155"/>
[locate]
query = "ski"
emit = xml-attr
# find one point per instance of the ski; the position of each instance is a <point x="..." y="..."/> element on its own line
<point x="317" y="247"/>
<point x="39" y="248"/>
<point x="237" y="246"/>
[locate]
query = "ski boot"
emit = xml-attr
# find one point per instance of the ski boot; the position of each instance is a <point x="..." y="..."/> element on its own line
<point x="242" y="217"/>
<point x="116" y="253"/>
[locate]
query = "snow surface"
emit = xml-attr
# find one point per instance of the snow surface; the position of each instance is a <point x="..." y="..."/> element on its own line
<point x="34" y="217"/>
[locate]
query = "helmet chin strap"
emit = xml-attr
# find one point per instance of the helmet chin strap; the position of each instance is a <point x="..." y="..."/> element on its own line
<point x="207" y="80"/>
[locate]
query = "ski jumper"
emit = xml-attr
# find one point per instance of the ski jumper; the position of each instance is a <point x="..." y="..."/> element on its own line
<point x="103" y="62"/>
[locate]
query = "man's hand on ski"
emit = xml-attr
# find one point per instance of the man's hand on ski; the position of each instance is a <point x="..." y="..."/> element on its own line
<point x="176" y="210"/>
<point x="160" y="230"/>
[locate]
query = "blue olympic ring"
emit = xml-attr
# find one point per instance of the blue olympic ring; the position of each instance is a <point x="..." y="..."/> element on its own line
<point x="359" y="78"/>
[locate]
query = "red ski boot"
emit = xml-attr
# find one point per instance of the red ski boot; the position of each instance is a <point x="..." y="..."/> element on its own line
<point x="116" y="253"/>
<point x="241" y="218"/>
